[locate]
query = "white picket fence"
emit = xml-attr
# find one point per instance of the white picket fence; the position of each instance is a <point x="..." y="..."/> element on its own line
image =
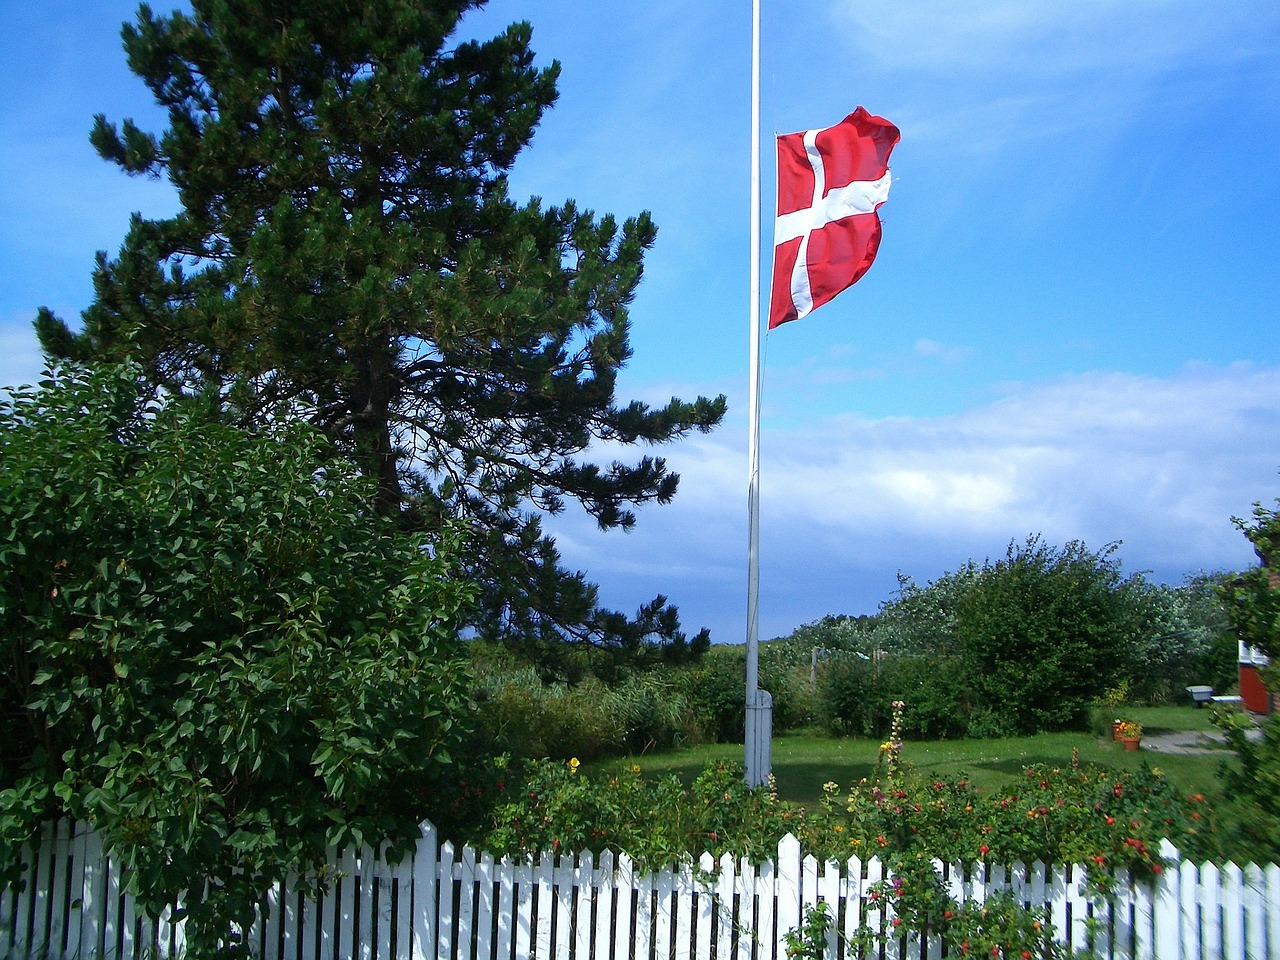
<point x="446" y="903"/>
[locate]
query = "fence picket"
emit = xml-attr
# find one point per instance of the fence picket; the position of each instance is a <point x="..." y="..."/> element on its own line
<point x="1232" y="912"/>
<point x="623" y="898"/>
<point x="644" y="916"/>
<point x="1255" y="923"/>
<point x="1272" y="896"/>
<point x="746" y="912"/>
<point x="425" y="904"/>
<point x="606" y="890"/>
<point x="681" y="911"/>
<point x="664" y="891"/>
<point x="524" y="889"/>
<point x="708" y="893"/>
<point x="725" y="907"/>
<point x="787" y="889"/>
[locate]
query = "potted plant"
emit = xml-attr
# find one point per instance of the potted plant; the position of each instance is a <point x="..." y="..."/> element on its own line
<point x="1129" y="733"/>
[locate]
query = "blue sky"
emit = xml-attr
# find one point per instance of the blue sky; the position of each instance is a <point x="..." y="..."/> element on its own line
<point x="1071" y="328"/>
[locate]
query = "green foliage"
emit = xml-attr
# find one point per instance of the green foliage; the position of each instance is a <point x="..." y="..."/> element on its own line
<point x="1043" y="630"/>
<point x="1084" y="814"/>
<point x="218" y="654"/>
<point x="714" y="690"/>
<point x="1190" y="643"/>
<point x="1013" y="647"/>
<point x="1253" y="599"/>
<point x="655" y="821"/>
<point x="856" y="695"/>
<point x="522" y="715"/>
<point x="1253" y="783"/>
<point x="1092" y="816"/>
<point x="1104" y="819"/>
<point x="810" y="941"/>
<point x="346" y="247"/>
<point x="1253" y="610"/>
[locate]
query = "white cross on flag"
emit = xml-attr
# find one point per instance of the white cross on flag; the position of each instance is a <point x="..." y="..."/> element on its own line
<point x="830" y="183"/>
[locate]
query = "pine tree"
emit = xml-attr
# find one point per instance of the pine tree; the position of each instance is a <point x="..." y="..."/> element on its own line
<point x="347" y="253"/>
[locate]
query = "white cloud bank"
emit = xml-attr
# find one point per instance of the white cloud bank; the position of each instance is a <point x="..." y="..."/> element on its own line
<point x="1161" y="464"/>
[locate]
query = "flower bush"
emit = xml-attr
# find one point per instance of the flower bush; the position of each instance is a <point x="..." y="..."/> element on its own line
<point x="1089" y="815"/>
<point x="1100" y="818"/>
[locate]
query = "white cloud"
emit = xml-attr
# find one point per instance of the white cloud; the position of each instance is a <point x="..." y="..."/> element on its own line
<point x="1161" y="464"/>
<point x="21" y="361"/>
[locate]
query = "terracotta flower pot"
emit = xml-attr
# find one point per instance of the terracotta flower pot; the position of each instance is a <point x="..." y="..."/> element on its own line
<point x="1131" y="743"/>
<point x="1115" y="729"/>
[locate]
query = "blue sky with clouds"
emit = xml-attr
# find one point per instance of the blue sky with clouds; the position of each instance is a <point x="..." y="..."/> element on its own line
<point x="1071" y="328"/>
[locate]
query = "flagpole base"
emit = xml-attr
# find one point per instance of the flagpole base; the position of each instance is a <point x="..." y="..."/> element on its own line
<point x="759" y="739"/>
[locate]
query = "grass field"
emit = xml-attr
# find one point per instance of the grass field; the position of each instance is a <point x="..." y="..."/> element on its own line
<point x="804" y="760"/>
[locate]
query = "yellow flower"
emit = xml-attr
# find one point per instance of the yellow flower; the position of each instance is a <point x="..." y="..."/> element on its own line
<point x="635" y="768"/>
<point x="839" y="829"/>
<point x="573" y="765"/>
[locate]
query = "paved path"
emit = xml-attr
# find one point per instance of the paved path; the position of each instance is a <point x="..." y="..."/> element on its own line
<point x="1190" y="741"/>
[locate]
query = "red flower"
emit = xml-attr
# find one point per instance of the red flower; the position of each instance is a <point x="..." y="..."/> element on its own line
<point x="1156" y="868"/>
<point x="1110" y="821"/>
<point x="897" y="921"/>
<point x="984" y="849"/>
<point x="1100" y="859"/>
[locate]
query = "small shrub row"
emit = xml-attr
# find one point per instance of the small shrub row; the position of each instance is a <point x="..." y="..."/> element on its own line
<point x="522" y="715"/>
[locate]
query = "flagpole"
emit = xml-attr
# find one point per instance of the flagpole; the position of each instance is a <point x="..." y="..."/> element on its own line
<point x="759" y="704"/>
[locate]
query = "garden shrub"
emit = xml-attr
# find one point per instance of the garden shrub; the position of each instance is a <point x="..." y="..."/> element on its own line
<point x="1189" y="643"/>
<point x="714" y="691"/>
<point x="855" y="696"/>
<point x="217" y="654"/>
<point x="1041" y="631"/>
<point x="658" y="822"/>
<point x="1253" y="607"/>
<point x="715" y="694"/>
<point x="526" y="717"/>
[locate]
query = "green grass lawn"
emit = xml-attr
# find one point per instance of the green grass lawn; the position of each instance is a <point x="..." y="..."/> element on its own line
<point x="804" y="760"/>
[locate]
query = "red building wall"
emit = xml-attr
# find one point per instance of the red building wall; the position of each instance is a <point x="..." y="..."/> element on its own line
<point x="1252" y="692"/>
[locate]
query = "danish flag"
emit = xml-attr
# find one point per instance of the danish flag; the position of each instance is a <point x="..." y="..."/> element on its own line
<point x="830" y="184"/>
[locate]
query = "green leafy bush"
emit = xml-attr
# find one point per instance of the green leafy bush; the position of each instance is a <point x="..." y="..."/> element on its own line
<point x="219" y="656"/>
<point x="855" y="696"/>
<point x="656" y="821"/>
<point x="1043" y="630"/>
<point x="1190" y="643"/>
<point x="524" y="716"/>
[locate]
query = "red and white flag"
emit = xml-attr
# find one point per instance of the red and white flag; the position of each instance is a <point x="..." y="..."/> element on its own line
<point x="830" y="184"/>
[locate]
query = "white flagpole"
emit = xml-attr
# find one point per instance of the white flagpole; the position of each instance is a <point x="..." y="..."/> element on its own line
<point x="758" y="702"/>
